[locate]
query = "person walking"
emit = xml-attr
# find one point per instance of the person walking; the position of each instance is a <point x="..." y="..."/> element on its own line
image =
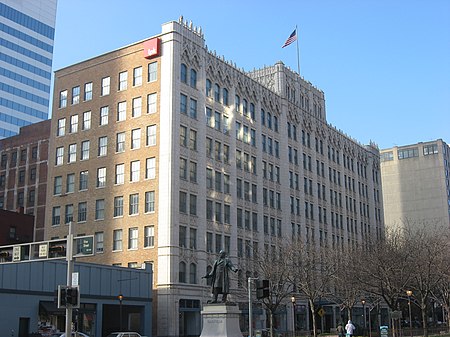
<point x="350" y="328"/>
<point x="340" y="330"/>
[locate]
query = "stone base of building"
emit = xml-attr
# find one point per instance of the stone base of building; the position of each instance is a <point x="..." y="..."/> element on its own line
<point x="221" y="320"/>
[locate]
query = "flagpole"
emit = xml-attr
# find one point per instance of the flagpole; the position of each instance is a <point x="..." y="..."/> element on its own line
<point x="298" y="53"/>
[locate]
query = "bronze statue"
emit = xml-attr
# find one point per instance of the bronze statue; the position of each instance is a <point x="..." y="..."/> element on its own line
<point x="220" y="278"/>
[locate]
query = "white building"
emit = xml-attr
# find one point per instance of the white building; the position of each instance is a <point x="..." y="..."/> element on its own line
<point x="186" y="154"/>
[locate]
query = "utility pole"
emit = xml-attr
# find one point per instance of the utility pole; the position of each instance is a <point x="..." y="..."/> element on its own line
<point x="69" y="258"/>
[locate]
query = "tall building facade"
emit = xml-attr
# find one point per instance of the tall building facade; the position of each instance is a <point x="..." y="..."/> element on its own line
<point x="416" y="185"/>
<point x="27" y="30"/>
<point x="167" y="153"/>
<point x="23" y="173"/>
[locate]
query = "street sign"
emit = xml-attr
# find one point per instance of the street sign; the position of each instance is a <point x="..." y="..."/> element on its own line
<point x="321" y="312"/>
<point x="85" y="245"/>
<point x="43" y="250"/>
<point x="16" y="253"/>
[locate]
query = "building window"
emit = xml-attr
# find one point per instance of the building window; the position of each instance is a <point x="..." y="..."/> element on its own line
<point x="134" y="204"/>
<point x="69" y="213"/>
<point x="104" y="113"/>
<point x="83" y="180"/>
<point x="102" y="146"/>
<point x="182" y="272"/>
<point x="56" y="216"/>
<point x="63" y="99"/>
<point x="123" y="79"/>
<point x="86" y="120"/>
<point x="135" y="167"/>
<point x="59" y="155"/>
<point x="136" y="107"/>
<point x="75" y="95"/>
<point x="73" y="124"/>
<point x="193" y="172"/>
<point x="21" y="176"/>
<point x="32" y="174"/>
<point x="121" y="111"/>
<point x="99" y="209"/>
<point x="151" y="103"/>
<point x="193" y="140"/>
<point x="225" y="96"/>
<point x="137" y="76"/>
<point x="99" y="237"/>
<point x="31" y="197"/>
<point x="216" y="92"/>
<point x="106" y="82"/>
<point x="387" y="156"/>
<point x="117" y="239"/>
<point x="120" y="142"/>
<point x="149" y="236"/>
<point x="82" y="211"/>
<point x="149" y="202"/>
<point x="88" y="91"/>
<point x="57" y="185"/>
<point x="193" y="79"/>
<point x="70" y="183"/>
<point x="72" y="155"/>
<point x="182" y="203"/>
<point x="135" y="139"/>
<point x="61" y="131"/>
<point x="430" y="149"/>
<point x="192" y="204"/>
<point x="183" y="73"/>
<point x="133" y="238"/>
<point x="34" y="152"/>
<point x="153" y="72"/>
<point x="101" y="177"/>
<point x="408" y="153"/>
<point x="193" y="273"/>
<point x="120" y="174"/>
<point x="193" y="108"/>
<point x="151" y="135"/>
<point x="183" y="104"/>
<point x="150" y="168"/>
<point x="85" y="145"/>
<point x="118" y="206"/>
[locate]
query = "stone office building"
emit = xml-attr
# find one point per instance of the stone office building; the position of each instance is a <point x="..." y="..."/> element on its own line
<point x="168" y="153"/>
<point x="416" y="185"/>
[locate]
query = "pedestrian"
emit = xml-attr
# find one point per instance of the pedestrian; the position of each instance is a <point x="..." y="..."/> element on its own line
<point x="340" y="330"/>
<point x="350" y="328"/>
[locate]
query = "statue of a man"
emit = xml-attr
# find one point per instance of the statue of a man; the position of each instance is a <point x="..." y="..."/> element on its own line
<point x="220" y="277"/>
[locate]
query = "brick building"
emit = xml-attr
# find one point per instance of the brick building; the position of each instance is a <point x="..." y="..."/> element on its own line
<point x="167" y="153"/>
<point x="23" y="173"/>
<point x="15" y="227"/>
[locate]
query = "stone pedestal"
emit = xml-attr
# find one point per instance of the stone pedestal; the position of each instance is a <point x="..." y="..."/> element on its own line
<point x="221" y="320"/>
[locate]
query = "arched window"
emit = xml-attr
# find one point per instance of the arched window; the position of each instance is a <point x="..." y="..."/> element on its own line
<point x="193" y="81"/>
<point x="225" y="96"/>
<point x="193" y="273"/>
<point x="237" y="102"/>
<point x="183" y="73"/>
<point x="182" y="272"/>
<point x="216" y="92"/>
<point x="208" y="87"/>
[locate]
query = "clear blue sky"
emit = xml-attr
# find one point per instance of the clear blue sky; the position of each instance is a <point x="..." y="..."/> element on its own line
<point x="384" y="65"/>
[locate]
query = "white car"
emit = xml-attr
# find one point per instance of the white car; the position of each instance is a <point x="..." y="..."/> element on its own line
<point x="75" y="334"/>
<point x="124" y="334"/>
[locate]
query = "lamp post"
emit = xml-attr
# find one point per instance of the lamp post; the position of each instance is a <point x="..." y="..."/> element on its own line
<point x="120" y="297"/>
<point x="409" y="294"/>
<point x="293" y="315"/>
<point x="363" y="301"/>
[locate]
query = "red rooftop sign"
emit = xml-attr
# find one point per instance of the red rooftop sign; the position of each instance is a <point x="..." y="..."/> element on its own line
<point x="151" y="48"/>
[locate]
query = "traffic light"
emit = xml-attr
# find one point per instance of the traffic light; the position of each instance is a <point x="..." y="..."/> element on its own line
<point x="73" y="297"/>
<point x="262" y="289"/>
<point x="62" y="297"/>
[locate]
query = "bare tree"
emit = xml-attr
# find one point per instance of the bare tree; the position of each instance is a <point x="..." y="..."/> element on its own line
<point x="428" y="247"/>
<point x="311" y="273"/>
<point x="272" y="265"/>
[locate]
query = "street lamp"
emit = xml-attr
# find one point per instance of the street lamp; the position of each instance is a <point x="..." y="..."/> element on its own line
<point x="363" y="301"/>
<point x="293" y="315"/>
<point x="120" y="297"/>
<point x="409" y="294"/>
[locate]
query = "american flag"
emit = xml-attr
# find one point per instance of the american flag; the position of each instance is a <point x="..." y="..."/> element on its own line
<point x="291" y="38"/>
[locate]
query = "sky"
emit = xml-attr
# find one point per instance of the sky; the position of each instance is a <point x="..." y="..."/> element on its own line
<point x="384" y="65"/>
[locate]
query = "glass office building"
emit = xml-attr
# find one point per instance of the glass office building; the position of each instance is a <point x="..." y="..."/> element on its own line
<point x="27" y="30"/>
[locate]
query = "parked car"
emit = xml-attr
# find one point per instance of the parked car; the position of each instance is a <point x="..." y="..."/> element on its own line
<point x="124" y="334"/>
<point x="74" y="334"/>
